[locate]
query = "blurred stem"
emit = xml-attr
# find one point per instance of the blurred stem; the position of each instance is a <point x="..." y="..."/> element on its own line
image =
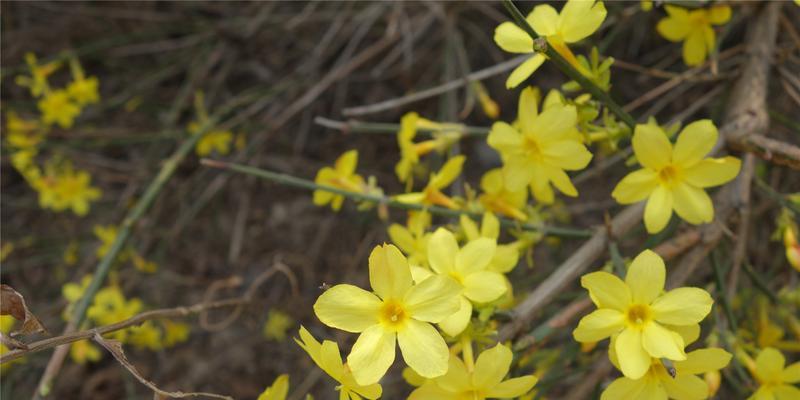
<point x="290" y="180"/>
<point x="385" y="128"/>
<point x="759" y="283"/>
<point x="726" y="304"/>
<point x="565" y="67"/>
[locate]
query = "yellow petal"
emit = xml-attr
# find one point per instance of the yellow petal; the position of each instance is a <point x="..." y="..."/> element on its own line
<point x="634" y="361"/>
<point x="410" y="198"/>
<point x="278" y="390"/>
<point x="567" y="154"/>
<point x="540" y="186"/>
<point x="719" y="15"/>
<point x="560" y="180"/>
<point x="662" y="343"/>
<point x="713" y="171"/>
<point x="423" y="348"/>
<point x="709" y="37"/>
<point x="624" y="388"/>
<point x="685" y="387"/>
<point x="442" y="251"/>
<point x="636" y="186"/>
<point x="646" y="277"/>
<point x="554" y="124"/>
<point x="651" y="146"/>
<point x="674" y="29"/>
<point x="402" y="237"/>
<point x="348" y="308"/>
<point x="599" y="325"/>
<point x="330" y="359"/>
<point x="512" y="388"/>
<point x="786" y="392"/>
<point x="689" y="333"/>
<point x="490" y="226"/>
<point x="469" y="227"/>
<point x="519" y="171"/>
<point x="692" y="204"/>
<point x="769" y="364"/>
<point x="505" y="139"/>
<point x="512" y="38"/>
<point x="694" y="49"/>
<point x="607" y="290"/>
<point x="682" y="306"/>
<point x="389" y="274"/>
<point x="475" y="256"/>
<point x="429" y="391"/>
<point x="505" y="258"/>
<point x="456" y="379"/>
<point x="346" y="163"/>
<point x="484" y="286"/>
<point x="434" y="299"/>
<point x="371" y="392"/>
<point x="524" y="70"/>
<point x="580" y="19"/>
<point x="491" y="367"/>
<point x="792" y="373"/>
<point x="527" y="108"/>
<point x="419" y="274"/>
<point x="702" y="361"/>
<point x="449" y="172"/>
<point x="372" y="354"/>
<point x="658" y="210"/>
<point x="457" y="322"/>
<point x="694" y="142"/>
<point x="543" y="20"/>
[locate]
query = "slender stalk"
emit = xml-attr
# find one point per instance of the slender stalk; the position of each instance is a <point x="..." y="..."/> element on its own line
<point x="290" y="180"/>
<point x="388" y="128"/>
<point x="569" y="70"/>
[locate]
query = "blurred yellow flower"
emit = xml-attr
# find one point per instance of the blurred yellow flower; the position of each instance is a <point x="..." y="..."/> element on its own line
<point x="142" y="264"/>
<point x="107" y="235"/>
<point x="219" y="141"/>
<point x="276" y="325"/>
<point x="343" y="176"/>
<point x="57" y="108"/>
<point x="22" y="133"/>
<point x="278" y="391"/>
<point x="83" y="351"/>
<point x="37" y="82"/>
<point x="66" y="189"/>
<point x="398" y="311"/>
<point x="145" y="336"/>
<point x="496" y="196"/>
<point x="485" y="381"/>
<point x="174" y="332"/>
<point x="541" y="150"/>
<point x="326" y="356"/>
<point x="639" y="316"/>
<point x="693" y="28"/>
<point x="792" y="246"/>
<point x="444" y="135"/>
<point x="674" y="177"/>
<point x="110" y="306"/>
<point x="776" y="380"/>
<point x="84" y="90"/>
<point x="413" y="240"/>
<point x="432" y="193"/>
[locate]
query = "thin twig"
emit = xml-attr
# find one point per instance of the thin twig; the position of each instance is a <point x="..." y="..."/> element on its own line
<point x="353" y="126"/>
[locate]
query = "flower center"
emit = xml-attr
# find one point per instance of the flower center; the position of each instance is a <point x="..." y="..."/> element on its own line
<point x="532" y="148"/>
<point x="638" y="315"/>
<point x="669" y="175"/>
<point x="393" y="314"/>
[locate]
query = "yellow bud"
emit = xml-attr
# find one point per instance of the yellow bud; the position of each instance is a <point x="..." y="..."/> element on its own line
<point x="588" y="346"/>
<point x="712" y="379"/>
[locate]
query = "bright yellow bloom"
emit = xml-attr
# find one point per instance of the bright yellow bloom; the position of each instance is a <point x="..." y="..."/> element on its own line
<point x="398" y="310"/>
<point x="37" y="82"/>
<point x="57" y="107"/>
<point x="432" y="194"/>
<point x="467" y="266"/>
<point x="496" y="196"/>
<point x="343" y="176"/>
<point x="484" y="382"/>
<point x="410" y="152"/>
<point x="326" y="356"/>
<point x="84" y="90"/>
<point x="66" y="189"/>
<point x="110" y="306"/>
<point x="775" y="379"/>
<point x="219" y="141"/>
<point x="278" y="391"/>
<point x="792" y="247"/>
<point x="175" y="332"/>
<point x="639" y="315"/>
<point x="577" y="20"/>
<point x="693" y="28"/>
<point x="506" y="256"/>
<point x="674" y="177"/>
<point x="413" y="240"/>
<point x="145" y="336"/>
<point x="539" y="152"/>
<point x="276" y="325"/>
<point x="657" y="383"/>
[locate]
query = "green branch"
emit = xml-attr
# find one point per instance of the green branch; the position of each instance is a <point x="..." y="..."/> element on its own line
<point x="387" y="128"/>
<point x="569" y="70"/>
<point x="290" y="180"/>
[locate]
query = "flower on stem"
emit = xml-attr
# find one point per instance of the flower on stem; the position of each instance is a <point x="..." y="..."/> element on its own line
<point x="278" y="390"/>
<point x="326" y="356"/>
<point x="410" y="152"/>
<point x="484" y="381"/>
<point x="343" y="176"/>
<point x="37" y="82"/>
<point x="693" y="28"/>
<point x="398" y="311"/>
<point x="673" y="177"/>
<point x="83" y="351"/>
<point x="776" y="380"/>
<point x="214" y="140"/>
<point x="413" y="240"/>
<point x="541" y="150"/>
<point x="496" y="196"/>
<point x="110" y="306"/>
<point x="577" y="20"/>
<point x="639" y="316"/>
<point x="58" y="107"/>
<point x="61" y="188"/>
<point x="432" y="194"/>
<point x="276" y="325"/>
<point x="83" y="90"/>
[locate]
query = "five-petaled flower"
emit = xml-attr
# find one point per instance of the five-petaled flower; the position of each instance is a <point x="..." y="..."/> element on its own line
<point x="693" y="28"/>
<point x="432" y="193"/>
<point x="398" y="310"/>
<point x="639" y="316"/>
<point x="343" y="176"/>
<point x="544" y="146"/>
<point x="775" y="379"/>
<point x="673" y="177"/>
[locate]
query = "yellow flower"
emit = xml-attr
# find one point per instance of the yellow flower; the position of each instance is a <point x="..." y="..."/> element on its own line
<point x="37" y="82"/>
<point x="432" y="194"/>
<point x="278" y="390"/>
<point x="343" y="176"/>
<point x="143" y="265"/>
<point x="544" y="146"/>
<point x="646" y="5"/>
<point x="22" y="133"/>
<point x="175" y="332"/>
<point x="66" y="189"/>
<point x="496" y="196"/>
<point x="693" y="28"/>
<point x="107" y="235"/>
<point x="639" y="315"/>
<point x="577" y="20"/>
<point x="326" y="356"/>
<point x="468" y="267"/>
<point x="110" y="306"/>
<point x="82" y="352"/>
<point x="413" y="241"/>
<point x="674" y="177"/>
<point x="792" y="247"/>
<point x="398" y="310"/>
<point x="276" y="325"/>
<point x="56" y="107"/>
<point x="775" y="379"/>
<point x="84" y="90"/>
<point x="145" y="336"/>
<point x="484" y="382"/>
<point x="657" y="383"/>
<point x="73" y="292"/>
<point x="219" y="141"/>
<point x="444" y="135"/>
<point x="505" y="256"/>
<point x="6" y="323"/>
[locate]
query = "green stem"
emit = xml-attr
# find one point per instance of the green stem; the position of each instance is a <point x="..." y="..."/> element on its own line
<point x="569" y="70"/>
<point x="726" y="304"/>
<point x="387" y="128"/>
<point x="759" y="283"/>
<point x="290" y="180"/>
